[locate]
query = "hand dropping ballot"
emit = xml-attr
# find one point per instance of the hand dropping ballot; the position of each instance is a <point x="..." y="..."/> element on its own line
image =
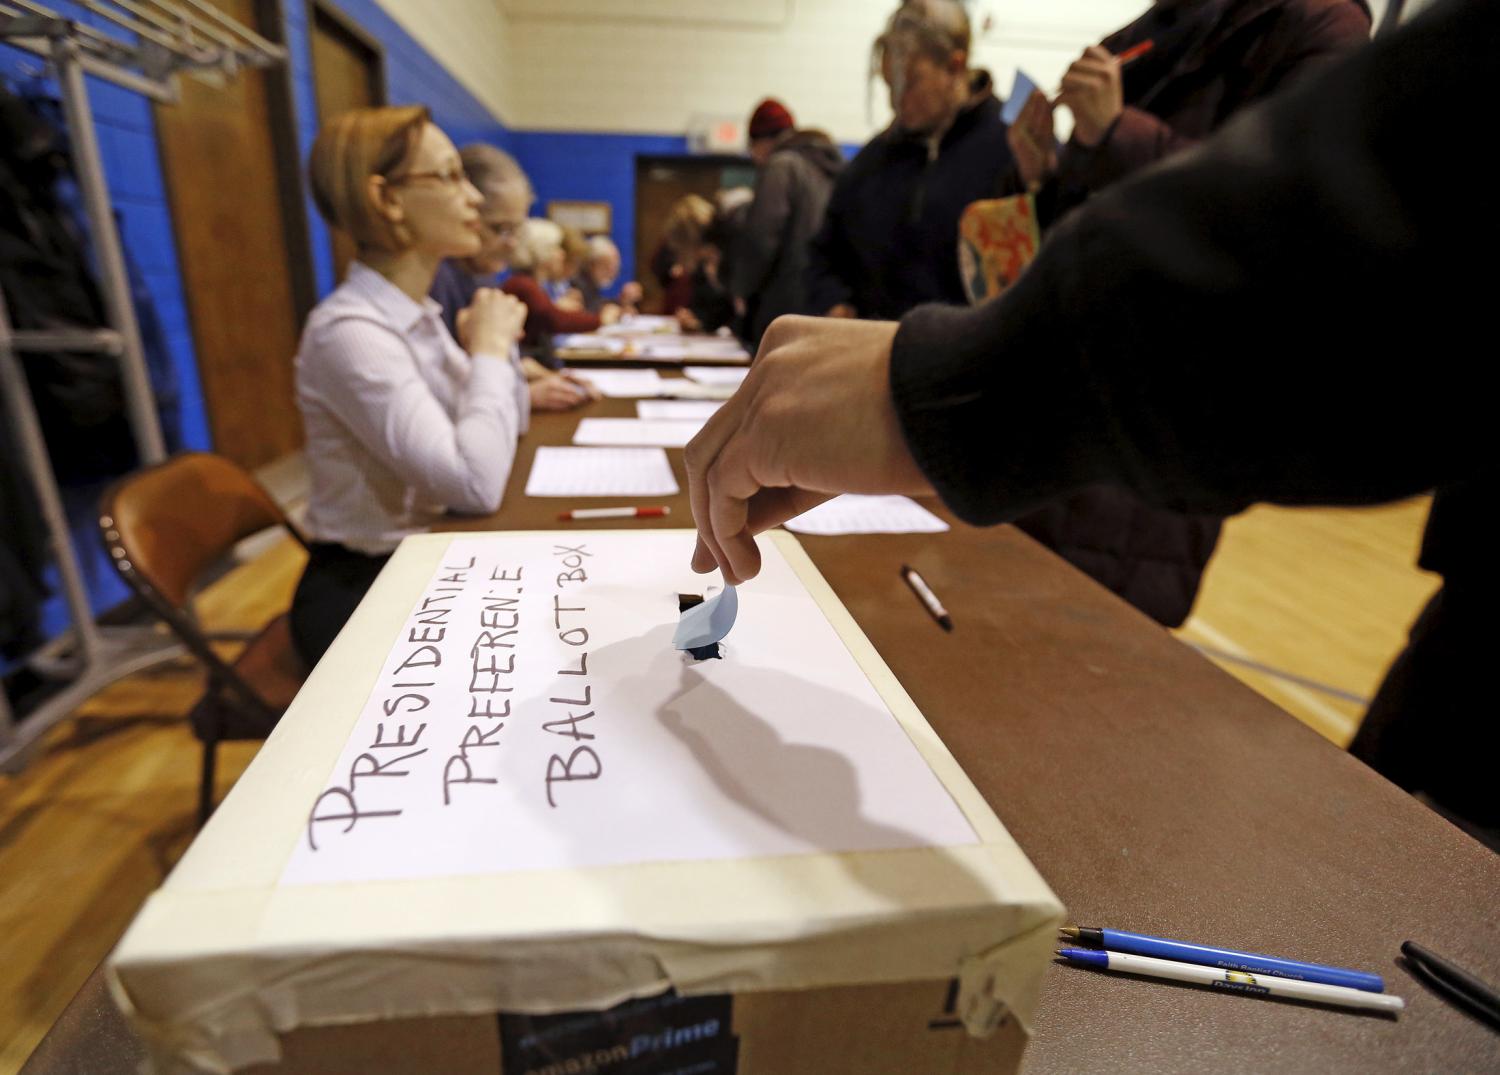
<point x="535" y="713"/>
<point x="705" y="623"/>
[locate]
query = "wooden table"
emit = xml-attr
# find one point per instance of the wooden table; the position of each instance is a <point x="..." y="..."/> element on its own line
<point x="1152" y="791"/>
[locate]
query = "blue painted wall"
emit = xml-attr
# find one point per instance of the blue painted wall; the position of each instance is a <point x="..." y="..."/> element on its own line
<point x="412" y="76"/>
<point x="128" y="148"/>
<point x="591" y="167"/>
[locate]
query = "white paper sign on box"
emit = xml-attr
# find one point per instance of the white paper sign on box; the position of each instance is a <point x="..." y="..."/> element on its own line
<point x="503" y="790"/>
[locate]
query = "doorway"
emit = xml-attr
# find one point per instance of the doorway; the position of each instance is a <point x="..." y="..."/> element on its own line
<point x="229" y="158"/>
<point x="659" y="182"/>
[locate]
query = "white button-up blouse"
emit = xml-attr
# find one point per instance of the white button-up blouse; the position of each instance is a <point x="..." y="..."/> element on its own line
<point x="401" y="424"/>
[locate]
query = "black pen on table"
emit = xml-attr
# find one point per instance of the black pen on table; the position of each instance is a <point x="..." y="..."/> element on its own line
<point x="925" y="595"/>
<point x="1455" y="983"/>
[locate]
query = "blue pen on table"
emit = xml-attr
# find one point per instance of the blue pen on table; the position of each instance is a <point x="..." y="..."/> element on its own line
<point x="1141" y="945"/>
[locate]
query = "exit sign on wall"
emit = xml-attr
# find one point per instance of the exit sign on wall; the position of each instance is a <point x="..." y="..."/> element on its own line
<point x="716" y="134"/>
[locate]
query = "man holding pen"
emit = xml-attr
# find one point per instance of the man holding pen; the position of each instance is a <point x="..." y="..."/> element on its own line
<point x="1284" y="314"/>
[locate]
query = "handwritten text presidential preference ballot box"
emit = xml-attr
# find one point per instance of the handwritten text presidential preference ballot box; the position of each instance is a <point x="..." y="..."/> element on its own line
<point x="507" y="826"/>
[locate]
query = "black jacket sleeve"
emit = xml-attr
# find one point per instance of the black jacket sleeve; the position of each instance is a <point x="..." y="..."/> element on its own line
<point x="1289" y="312"/>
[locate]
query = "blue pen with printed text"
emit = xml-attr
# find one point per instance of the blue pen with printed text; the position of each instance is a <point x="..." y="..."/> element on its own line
<point x="1141" y="945"/>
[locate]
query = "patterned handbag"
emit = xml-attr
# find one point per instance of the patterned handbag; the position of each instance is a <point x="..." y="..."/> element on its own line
<point x="997" y="238"/>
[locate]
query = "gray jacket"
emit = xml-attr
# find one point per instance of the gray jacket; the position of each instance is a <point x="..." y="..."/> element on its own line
<point x="770" y="256"/>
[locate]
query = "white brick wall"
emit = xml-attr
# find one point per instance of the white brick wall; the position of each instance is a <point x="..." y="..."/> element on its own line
<point x="648" y="66"/>
<point x="471" y="38"/>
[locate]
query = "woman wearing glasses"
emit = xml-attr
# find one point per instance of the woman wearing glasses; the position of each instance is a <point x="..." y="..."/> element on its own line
<point x="507" y="197"/>
<point x="402" y="422"/>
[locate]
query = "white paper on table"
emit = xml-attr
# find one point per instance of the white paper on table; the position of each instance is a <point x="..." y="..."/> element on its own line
<point x="677" y="410"/>
<point x="715" y="374"/>
<point x="682" y="388"/>
<point x="687" y="348"/>
<point x="599" y="744"/>
<point x="641" y="325"/>
<point x="562" y="471"/>
<point x="622" y="432"/>
<point x="856" y="514"/>
<point x="624" y="384"/>
<point x="587" y="341"/>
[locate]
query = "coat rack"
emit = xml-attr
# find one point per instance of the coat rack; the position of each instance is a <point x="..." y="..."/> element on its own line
<point x="156" y="42"/>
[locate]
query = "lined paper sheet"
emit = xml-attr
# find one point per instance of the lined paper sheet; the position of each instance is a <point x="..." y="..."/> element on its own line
<point x="854" y="514"/>
<point x="716" y="374"/>
<point x="588" y="342"/>
<point x="624" y="384"/>
<point x="641" y="324"/>
<point x="688" y="348"/>
<point x="677" y="410"/>
<point x="600" y="472"/>
<point x="682" y="388"/>
<point x="635" y="431"/>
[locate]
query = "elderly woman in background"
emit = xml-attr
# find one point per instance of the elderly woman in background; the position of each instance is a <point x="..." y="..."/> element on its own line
<point x="536" y="261"/>
<point x="601" y="267"/>
<point x="507" y="198"/>
<point x="575" y="249"/>
<point x="403" y="422"/>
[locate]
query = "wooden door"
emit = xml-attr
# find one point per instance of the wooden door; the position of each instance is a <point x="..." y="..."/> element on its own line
<point x="232" y="181"/>
<point x="346" y="74"/>
<point x="659" y="182"/>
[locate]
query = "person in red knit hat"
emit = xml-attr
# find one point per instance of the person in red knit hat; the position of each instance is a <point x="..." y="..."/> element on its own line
<point x="769" y="119"/>
<point x="795" y="173"/>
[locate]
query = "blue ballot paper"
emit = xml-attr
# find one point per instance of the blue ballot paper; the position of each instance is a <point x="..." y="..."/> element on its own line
<point x="708" y="623"/>
<point x="1020" y="92"/>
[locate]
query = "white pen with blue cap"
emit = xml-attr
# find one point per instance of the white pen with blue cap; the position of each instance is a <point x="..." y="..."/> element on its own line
<point x="1234" y="981"/>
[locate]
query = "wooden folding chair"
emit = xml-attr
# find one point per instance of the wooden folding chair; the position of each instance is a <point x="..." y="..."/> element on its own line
<point x="164" y="528"/>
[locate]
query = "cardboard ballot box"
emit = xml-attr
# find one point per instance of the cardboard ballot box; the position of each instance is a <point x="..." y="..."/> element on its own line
<point x="507" y="826"/>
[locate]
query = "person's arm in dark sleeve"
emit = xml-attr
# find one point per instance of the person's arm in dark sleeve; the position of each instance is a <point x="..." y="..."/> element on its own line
<point x="1288" y="313"/>
<point x="760" y="238"/>
<point x="1138" y="138"/>
<point x="829" y="258"/>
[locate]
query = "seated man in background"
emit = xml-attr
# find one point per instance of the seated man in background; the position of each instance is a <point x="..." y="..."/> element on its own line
<point x="1196" y="63"/>
<point x="601" y="268"/>
<point x="889" y="239"/>
<point x="795" y="173"/>
<point x="507" y="199"/>
<point x="536" y="261"/>
<point x="403" y="423"/>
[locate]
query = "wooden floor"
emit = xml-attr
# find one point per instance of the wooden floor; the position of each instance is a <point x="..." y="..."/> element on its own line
<point x="107" y="805"/>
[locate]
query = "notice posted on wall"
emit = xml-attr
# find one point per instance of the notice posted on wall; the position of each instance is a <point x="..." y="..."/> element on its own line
<point x="532" y="713"/>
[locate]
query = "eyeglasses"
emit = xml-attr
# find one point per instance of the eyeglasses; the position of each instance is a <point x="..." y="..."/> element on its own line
<point x="506" y="229"/>
<point x="448" y="177"/>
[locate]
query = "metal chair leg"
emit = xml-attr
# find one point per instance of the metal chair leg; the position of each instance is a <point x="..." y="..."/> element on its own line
<point x="206" y="783"/>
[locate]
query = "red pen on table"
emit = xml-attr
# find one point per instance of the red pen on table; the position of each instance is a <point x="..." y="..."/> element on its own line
<point x="616" y="513"/>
